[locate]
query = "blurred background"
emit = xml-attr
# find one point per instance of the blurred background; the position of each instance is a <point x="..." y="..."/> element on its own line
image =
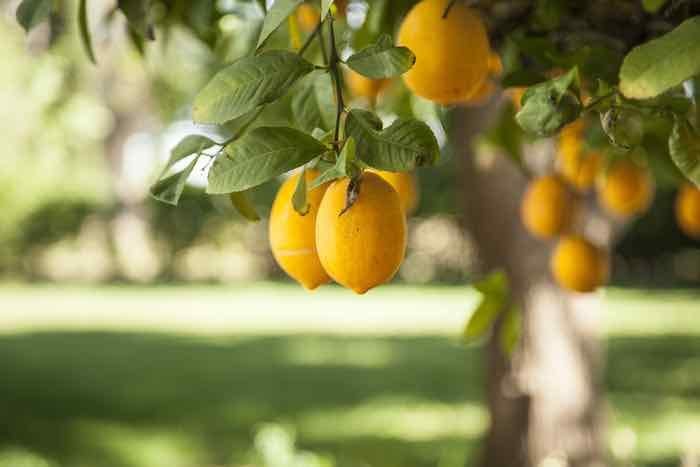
<point x="133" y="333"/>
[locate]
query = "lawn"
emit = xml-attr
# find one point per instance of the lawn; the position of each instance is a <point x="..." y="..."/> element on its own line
<point x="186" y="376"/>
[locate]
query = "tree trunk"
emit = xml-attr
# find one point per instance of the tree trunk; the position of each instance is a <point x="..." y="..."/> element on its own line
<point x="545" y="402"/>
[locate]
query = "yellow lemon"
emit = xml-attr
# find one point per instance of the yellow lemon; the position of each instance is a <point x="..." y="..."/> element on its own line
<point x="547" y="207"/>
<point x="363" y="246"/>
<point x="452" y="53"/>
<point x="578" y="167"/>
<point x="578" y="265"/>
<point x="405" y="185"/>
<point x="688" y="210"/>
<point x="293" y="236"/>
<point x="308" y="17"/>
<point x="365" y="87"/>
<point x="626" y="189"/>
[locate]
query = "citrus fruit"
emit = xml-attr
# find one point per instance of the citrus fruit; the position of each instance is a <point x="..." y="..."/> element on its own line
<point x="365" y="87"/>
<point x="308" y="17"/>
<point x="578" y="265"/>
<point x="405" y="185"/>
<point x="688" y="210"/>
<point x="452" y="53"/>
<point x="578" y="167"/>
<point x="362" y="246"/>
<point x="547" y="207"/>
<point x="293" y="236"/>
<point x="626" y="189"/>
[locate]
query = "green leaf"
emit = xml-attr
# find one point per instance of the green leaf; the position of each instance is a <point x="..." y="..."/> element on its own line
<point x="404" y="145"/>
<point x="278" y="13"/>
<point x="191" y="144"/>
<point x="653" y="6"/>
<point x="624" y="128"/>
<point x="520" y="78"/>
<point x="658" y="65"/>
<point x="241" y="201"/>
<point x="684" y="146"/>
<point x="344" y="166"/>
<point x="169" y="189"/>
<point x="32" y="12"/>
<point x="511" y="329"/>
<point x="299" y="201"/>
<point x="259" y="155"/>
<point x="137" y="14"/>
<point x="85" y="30"/>
<point x="313" y="103"/>
<point x="549" y="106"/>
<point x="325" y="7"/>
<point x="494" y="295"/>
<point x="382" y="60"/>
<point x="248" y="83"/>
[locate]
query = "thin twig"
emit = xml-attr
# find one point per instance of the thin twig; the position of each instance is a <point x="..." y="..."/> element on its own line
<point x="335" y="71"/>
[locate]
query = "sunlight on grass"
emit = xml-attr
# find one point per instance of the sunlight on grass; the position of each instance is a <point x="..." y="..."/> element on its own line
<point x="391" y="417"/>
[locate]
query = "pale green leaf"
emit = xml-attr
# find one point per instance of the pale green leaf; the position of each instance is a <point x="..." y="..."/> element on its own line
<point x="660" y="64"/>
<point x="403" y="145"/>
<point x="344" y="166"/>
<point x="241" y="201"/>
<point x="684" y="146"/>
<point x="169" y="189"/>
<point x="382" y="60"/>
<point x="84" y="30"/>
<point x="653" y="6"/>
<point x="32" y="12"/>
<point x="325" y="7"/>
<point x="278" y="13"/>
<point x="248" y="83"/>
<point x="259" y="155"/>
<point x="299" y="201"/>
<point x="313" y="103"/>
<point x="191" y="144"/>
<point x="494" y="295"/>
<point x="511" y="329"/>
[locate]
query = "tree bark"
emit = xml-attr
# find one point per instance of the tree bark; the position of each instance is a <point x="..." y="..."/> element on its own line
<point x="545" y="402"/>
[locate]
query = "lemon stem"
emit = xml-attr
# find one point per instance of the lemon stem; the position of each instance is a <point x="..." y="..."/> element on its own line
<point x="335" y="72"/>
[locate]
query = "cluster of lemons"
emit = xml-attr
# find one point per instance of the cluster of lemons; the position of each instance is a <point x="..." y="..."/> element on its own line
<point x="360" y="247"/>
<point x="550" y="205"/>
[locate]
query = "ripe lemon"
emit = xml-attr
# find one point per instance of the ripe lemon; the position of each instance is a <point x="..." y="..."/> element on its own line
<point x="547" y="207"/>
<point x="364" y="246"/>
<point x="626" y="189"/>
<point x="688" y="210"/>
<point x="578" y="167"/>
<point x="578" y="265"/>
<point x="365" y="87"/>
<point x="488" y="87"/>
<point x="452" y="53"/>
<point x="405" y="185"/>
<point x="308" y="17"/>
<point x="293" y="236"/>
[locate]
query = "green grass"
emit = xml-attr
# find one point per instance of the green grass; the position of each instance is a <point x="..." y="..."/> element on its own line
<point x="184" y="376"/>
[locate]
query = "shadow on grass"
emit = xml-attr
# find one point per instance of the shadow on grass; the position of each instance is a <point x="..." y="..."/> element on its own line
<point x="217" y="389"/>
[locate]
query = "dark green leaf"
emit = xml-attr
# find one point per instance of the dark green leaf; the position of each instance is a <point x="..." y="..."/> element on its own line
<point x="344" y="166"/>
<point x="494" y="295"/>
<point x="84" y="30"/>
<point x="259" y="155"/>
<point x="684" y="146"/>
<point x="653" y="6"/>
<point x="137" y="14"/>
<point x="313" y="103"/>
<point x="241" y="201"/>
<point x="511" y="329"/>
<point x="549" y="106"/>
<point x="299" y="202"/>
<point x="191" y="144"/>
<point x="519" y="78"/>
<point x="658" y="65"/>
<point x="32" y="12"/>
<point x="382" y="60"/>
<point x="404" y="145"/>
<point x="169" y="189"/>
<point x="278" y="13"/>
<point x="247" y="83"/>
<point x="548" y="14"/>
